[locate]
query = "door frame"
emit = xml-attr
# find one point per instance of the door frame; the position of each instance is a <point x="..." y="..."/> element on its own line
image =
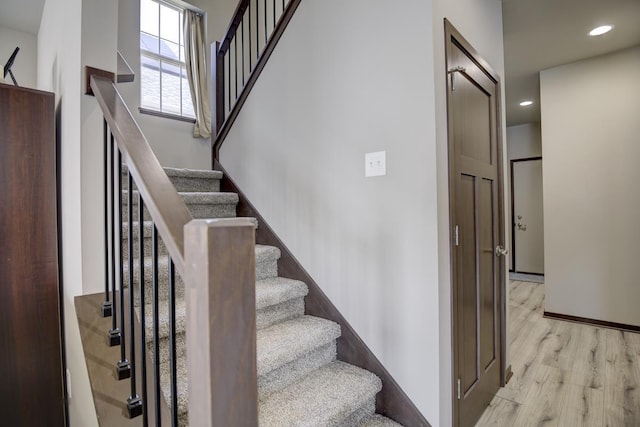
<point x="505" y="372"/>
<point x="513" y="211"/>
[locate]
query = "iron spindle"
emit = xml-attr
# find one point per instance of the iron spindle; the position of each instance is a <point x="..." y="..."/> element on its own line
<point x="106" y="305"/>
<point x="156" y="326"/>
<point x="250" y="50"/>
<point x="134" y="403"/>
<point x="172" y="343"/>
<point x="143" y="329"/>
<point x="114" y="333"/>
<point x="235" y="58"/>
<point x="123" y="367"/>
<point x="242" y="48"/>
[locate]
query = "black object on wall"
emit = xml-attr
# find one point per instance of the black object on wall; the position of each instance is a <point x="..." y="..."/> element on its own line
<point x="9" y="64"/>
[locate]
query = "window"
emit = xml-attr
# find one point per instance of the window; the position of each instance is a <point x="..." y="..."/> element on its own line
<point x="164" y="86"/>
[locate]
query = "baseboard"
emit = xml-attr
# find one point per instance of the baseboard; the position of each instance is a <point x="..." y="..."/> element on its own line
<point x="592" y="322"/>
<point x="392" y="401"/>
<point x="507" y="376"/>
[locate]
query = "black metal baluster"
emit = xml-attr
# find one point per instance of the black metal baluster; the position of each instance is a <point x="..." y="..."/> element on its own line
<point x="229" y="73"/>
<point x="265" y="22"/>
<point x="106" y="305"/>
<point x="274" y="16"/>
<point x="156" y="326"/>
<point x="114" y="334"/>
<point x="134" y="403"/>
<point x="235" y="44"/>
<point x="257" y="30"/>
<point x="283" y="1"/>
<point x="123" y="367"/>
<point x="143" y="328"/>
<point x="242" y="48"/>
<point x="250" y="39"/>
<point x="172" y="343"/>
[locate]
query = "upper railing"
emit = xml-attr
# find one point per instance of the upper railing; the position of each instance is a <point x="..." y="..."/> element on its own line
<point x="238" y="60"/>
<point x="215" y="258"/>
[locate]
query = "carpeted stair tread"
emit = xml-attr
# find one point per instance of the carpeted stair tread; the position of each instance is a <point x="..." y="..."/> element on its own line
<point x="269" y="292"/>
<point x="326" y="397"/>
<point x="193" y="173"/>
<point x="199" y="204"/>
<point x="148" y="227"/>
<point x="287" y="341"/>
<point x="276" y="290"/>
<point x="266" y="267"/>
<point x="195" y="197"/>
<point x="377" y="420"/>
<point x="189" y="179"/>
<point x="185" y="172"/>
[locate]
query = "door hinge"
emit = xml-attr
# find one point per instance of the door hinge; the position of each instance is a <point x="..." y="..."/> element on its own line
<point x="456" y="237"/>
<point x="458" y="388"/>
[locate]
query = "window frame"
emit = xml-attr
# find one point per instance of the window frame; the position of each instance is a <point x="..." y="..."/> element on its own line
<point x="161" y="59"/>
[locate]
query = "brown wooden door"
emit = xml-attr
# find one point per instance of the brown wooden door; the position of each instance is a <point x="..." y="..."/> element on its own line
<point x="477" y="221"/>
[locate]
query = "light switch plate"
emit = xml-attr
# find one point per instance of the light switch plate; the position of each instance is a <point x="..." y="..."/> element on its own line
<point x="375" y="164"/>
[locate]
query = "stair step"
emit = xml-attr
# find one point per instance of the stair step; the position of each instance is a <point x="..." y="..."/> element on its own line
<point x="289" y="350"/>
<point x="199" y="204"/>
<point x="148" y="226"/>
<point x="377" y="420"/>
<point x="333" y="395"/>
<point x="271" y="295"/>
<point x="301" y="343"/>
<point x="266" y="267"/>
<point x="187" y="180"/>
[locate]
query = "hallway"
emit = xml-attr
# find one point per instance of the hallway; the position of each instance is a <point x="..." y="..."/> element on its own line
<point x="565" y="374"/>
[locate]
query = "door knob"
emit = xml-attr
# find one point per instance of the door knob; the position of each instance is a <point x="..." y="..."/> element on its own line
<point x="500" y="250"/>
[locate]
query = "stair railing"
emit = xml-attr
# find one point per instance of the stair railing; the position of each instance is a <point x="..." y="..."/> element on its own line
<point x="238" y="60"/>
<point x="214" y="257"/>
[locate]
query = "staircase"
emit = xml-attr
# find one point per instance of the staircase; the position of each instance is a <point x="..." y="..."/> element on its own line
<point x="300" y="382"/>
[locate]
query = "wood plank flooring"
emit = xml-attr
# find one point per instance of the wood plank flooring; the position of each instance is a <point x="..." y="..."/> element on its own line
<point x="565" y="374"/>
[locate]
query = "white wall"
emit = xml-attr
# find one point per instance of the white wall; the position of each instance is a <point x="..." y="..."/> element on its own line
<point x="590" y="129"/>
<point x="333" y="91"/>
<point x="480" y="23"/>
<point x="523" y="141"/>
<point x="59" y="70"/>
<point x="378" y="247"/>
<point x="172" y="140"/>
<point x="99" y="47"/>
<point x="24" y="68"/>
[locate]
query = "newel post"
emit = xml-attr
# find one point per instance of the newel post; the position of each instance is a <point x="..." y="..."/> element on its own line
<point x="221" y="322"/>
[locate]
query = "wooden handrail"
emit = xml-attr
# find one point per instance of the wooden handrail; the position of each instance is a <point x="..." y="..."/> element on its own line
<point x="166" y="207"/>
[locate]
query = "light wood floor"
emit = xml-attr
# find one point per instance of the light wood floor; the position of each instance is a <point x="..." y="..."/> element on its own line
<point x="565" y="374"/>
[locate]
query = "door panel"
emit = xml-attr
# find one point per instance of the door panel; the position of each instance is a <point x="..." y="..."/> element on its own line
<point x="474" y="136"/>
<point x="477" y="217"/>
<point x="487" y="275"/>
<point x="528" y="230"/>
<point x="467" y="232"/>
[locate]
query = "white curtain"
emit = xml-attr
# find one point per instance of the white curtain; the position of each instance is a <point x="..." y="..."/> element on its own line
<point x="195" y="58"/>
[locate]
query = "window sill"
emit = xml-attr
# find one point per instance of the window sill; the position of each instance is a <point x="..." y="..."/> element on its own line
<point x="165" y="115"/>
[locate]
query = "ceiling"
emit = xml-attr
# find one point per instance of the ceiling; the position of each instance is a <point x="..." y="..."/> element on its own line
<point x="541" y="34"/>
<point x="21" y="15"/>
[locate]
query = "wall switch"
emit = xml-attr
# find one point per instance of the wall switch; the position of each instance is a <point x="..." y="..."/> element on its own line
<point x="375" y="164"/>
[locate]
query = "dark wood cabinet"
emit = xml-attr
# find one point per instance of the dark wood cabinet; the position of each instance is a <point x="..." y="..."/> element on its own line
<point x="31" y="390"/>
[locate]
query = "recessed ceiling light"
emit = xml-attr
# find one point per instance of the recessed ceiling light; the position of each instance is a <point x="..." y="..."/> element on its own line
<point x="598" y="31"/>
<point x="526" y="103"/>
